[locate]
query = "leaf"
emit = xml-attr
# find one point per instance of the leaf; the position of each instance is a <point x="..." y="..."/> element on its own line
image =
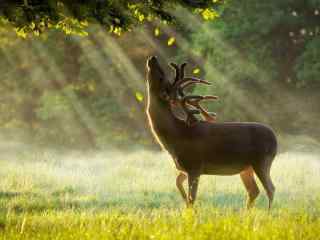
<point x="139" y="96"/>
<point x="196" y="71"/>
<point x="83" y="33"/>
<point x="84" y="23"/>
<point x="117" y="31"/>
<point x="157" y="32"/>
<point x="36" y="33"/>
<point x="32" y="25"/>
<point x="209" y="14"/>
<point x="141" y="17"/>
<point x="171" y="41"/>
<point x="21" y="33"/>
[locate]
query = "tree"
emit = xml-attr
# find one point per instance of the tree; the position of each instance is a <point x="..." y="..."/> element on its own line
<point x="74" y="16"/>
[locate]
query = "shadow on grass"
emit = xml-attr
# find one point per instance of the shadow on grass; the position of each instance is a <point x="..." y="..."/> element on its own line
<point x="6" y="195"/>
<point x="126" y="201"/>
<point x="9" y="195"/>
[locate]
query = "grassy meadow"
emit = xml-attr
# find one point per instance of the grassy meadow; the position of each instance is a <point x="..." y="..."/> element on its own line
<point x="117" y="195"/>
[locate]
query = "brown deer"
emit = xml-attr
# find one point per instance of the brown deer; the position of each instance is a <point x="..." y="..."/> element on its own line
<point x="201" y="147"/>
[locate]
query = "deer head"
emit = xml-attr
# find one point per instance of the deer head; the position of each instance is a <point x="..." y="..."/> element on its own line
<point x="157" y="83"/>
<point x="173" y="92"/>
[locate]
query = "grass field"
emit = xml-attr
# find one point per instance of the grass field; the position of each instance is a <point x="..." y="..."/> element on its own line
<point x="112" y="195"/>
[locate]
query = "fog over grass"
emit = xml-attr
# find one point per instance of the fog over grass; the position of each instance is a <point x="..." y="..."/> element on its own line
<point x="40" y="179"/>
<point x="113" y="194"/>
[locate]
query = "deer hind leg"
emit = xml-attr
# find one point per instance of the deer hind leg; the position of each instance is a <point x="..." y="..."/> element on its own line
<point x="193" y="182"/>
<point x="263" y="174"/>
<point x="250" y="184"/>
<point x="179" y="182"/>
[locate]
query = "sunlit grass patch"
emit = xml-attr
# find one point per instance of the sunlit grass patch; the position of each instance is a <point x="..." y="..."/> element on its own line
<point x="208" y="223"/>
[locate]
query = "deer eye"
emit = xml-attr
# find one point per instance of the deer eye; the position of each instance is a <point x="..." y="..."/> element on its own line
<point x="164" y="95"/>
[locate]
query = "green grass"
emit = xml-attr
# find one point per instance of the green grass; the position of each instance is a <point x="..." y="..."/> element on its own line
<point x="115" y="195"/>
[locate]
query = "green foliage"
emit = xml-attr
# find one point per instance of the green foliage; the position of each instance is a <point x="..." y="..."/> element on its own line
<point x="36" y="17"/>
<point x="57" y="117"/>
<point x="54" y="104"/>
<point x="254" y="32"/>
<point x="209" y="14"/>
<point x="308" y="65"/>
<point x="139" y="96"/>
<point x="228" y="60"/>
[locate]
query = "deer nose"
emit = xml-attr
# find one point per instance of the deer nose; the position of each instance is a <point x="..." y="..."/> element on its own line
<point x="152" y="60"/>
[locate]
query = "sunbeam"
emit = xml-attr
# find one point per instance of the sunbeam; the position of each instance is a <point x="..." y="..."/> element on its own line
<point x="56" y="75"/>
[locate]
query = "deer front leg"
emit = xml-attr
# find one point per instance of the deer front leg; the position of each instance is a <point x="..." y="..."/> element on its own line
<point x="193" y="182"/>
<point x="179" y="182"/>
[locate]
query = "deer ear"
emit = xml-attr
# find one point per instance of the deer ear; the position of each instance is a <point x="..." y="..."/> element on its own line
<point x="183" y="65"/>
<point x="182" y="69"/>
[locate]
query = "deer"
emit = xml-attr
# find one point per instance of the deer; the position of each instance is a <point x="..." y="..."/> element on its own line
<point x="205" y="146"/>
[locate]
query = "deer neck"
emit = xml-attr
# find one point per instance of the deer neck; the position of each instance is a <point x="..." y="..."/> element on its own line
<point x="165" y="127"/>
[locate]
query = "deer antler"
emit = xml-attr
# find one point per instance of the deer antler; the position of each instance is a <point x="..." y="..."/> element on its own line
<point x="193" y="101"/>
<point x="176" y="68"/>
